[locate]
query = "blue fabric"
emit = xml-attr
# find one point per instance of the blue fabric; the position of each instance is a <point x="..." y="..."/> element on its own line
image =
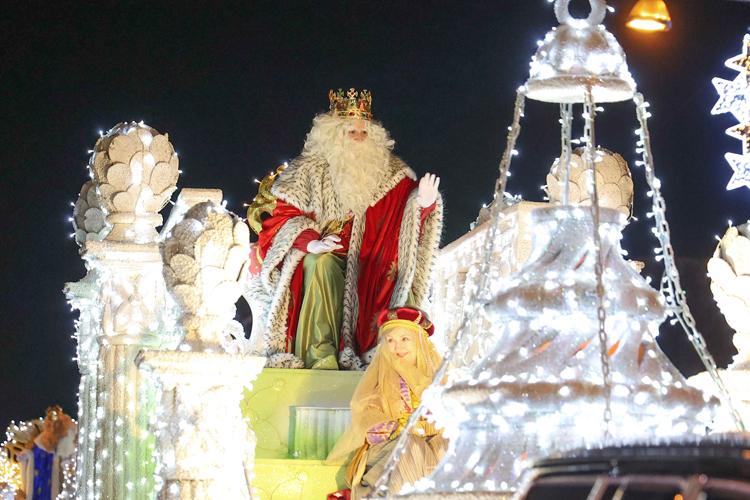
<point x="42" y="474"/>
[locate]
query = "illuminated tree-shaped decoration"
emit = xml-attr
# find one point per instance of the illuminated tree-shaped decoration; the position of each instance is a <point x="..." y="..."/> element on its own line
<point x="734" y="97"/>
<point x="203" y="448"/>
<point x="575" y="362"/>
<point x="541" y="389"/>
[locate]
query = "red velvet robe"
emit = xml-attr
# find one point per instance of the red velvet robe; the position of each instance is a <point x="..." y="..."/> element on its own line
<point x="378" y="260"/>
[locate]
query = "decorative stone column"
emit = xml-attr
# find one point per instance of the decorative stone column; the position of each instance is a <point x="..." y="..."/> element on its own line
<point x="205" y="448"/>
<point x="123" y="304"/>
<point x="84" y="296"/>
<point x="124" y="308"/>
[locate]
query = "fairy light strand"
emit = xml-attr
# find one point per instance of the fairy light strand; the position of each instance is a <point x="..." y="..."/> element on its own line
<point x="478" y="296"/>
<point x="566" y="120"/>
<point x="670" y="285"/>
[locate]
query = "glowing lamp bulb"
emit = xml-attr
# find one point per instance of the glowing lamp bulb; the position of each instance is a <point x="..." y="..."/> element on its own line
<point x="649" y="15"/>
<point x="646" y="25"/>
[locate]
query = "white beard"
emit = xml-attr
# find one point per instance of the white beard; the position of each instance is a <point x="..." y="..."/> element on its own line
<point x="357" y="170"/>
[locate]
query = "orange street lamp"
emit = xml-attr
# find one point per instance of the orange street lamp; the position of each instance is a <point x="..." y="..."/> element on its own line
<point x="649" y="15"/>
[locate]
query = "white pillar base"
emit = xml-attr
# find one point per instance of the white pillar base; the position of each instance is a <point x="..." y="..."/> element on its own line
<point x="205" y="449"/>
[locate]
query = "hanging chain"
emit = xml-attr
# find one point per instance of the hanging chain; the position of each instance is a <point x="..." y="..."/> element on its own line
<point x="566" y="120"/>
<point x="510" y="148"/>
<point x="670" y="284"/>
<point x="477" y="297"/>
<point x="589" y="113"/>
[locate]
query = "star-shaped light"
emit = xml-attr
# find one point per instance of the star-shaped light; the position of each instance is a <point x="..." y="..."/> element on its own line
<point x="741" y="166"/>
<point x="742" y="62"/>
<point x="741" y="132"/>
<point x="732" y="98"/>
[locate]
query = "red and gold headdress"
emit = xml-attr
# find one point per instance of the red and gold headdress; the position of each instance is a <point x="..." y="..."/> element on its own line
<point x="350" y="106"/>
<point x="406" y="317"/>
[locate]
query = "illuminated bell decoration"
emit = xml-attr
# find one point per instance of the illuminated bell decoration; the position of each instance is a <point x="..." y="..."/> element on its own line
<point x="649" y="15"/>
<point x="540" y="390"/>
<point x="579" y="53"/>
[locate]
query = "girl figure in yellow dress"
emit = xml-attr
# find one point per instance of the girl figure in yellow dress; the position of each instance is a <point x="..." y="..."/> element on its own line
<point x="390" y="390"/>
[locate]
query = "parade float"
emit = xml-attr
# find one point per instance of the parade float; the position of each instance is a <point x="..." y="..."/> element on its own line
<point x="563" y="353"/>
<point x="549" y="335"/>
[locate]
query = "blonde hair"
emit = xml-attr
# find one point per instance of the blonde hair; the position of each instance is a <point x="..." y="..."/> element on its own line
<point x="377" y="398"/>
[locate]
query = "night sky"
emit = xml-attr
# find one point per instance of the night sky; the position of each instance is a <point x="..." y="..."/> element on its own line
<point x="236" y="85"/>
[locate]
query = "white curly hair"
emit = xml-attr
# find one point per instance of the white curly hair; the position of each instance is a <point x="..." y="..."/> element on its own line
<point x="357" y="168"/>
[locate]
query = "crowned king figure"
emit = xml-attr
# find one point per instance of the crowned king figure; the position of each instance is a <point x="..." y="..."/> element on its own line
<point x="353" y="232"/>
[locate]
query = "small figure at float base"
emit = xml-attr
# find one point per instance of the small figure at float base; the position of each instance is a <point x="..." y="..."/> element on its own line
<point x="402" y="368"/>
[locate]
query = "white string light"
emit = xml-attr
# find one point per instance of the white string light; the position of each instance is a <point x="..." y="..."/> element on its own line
<point x="670" y="284"/>
<point x="491" y="417"/>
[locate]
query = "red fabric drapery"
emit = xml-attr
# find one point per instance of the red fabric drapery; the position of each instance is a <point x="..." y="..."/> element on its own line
<point x="378" y="260"/>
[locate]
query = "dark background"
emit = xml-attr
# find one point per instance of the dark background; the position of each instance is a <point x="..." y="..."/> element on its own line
<point x="236" y="85"/>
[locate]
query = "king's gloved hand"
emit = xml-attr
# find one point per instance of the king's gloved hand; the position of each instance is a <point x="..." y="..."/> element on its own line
<point x="428" y="190"/>
<point x="326" y="245"/>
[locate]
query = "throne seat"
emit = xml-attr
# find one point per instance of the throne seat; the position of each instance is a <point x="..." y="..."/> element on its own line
<point x="297" y="417"/>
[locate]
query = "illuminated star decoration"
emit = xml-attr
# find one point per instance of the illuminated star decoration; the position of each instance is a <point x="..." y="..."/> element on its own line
<point x="734" y="97"/>
<point x="742" y="62"/>
<point x="741" y="166"/>
<point x="741" y="132"/>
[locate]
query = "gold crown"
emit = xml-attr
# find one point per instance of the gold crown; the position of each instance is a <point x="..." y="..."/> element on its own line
<point x="53" y="412"/>
<point x="349" y="105"/>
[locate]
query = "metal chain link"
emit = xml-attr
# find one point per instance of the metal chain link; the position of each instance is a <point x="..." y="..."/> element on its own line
<point x="670" y="284"/>
<point x="510" y="148"/>
<point x="566" y="120"/>
<point x="476" y="299"/>
<point x="589" y="113"/>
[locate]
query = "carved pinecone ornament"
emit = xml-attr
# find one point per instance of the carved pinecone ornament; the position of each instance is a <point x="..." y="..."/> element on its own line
<point x="89" y="220"/>
<point x="135" y="171"/>
<point x="729" y="270"/>
<point x="204" y="264"/>
<point x="614" y="183"/>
